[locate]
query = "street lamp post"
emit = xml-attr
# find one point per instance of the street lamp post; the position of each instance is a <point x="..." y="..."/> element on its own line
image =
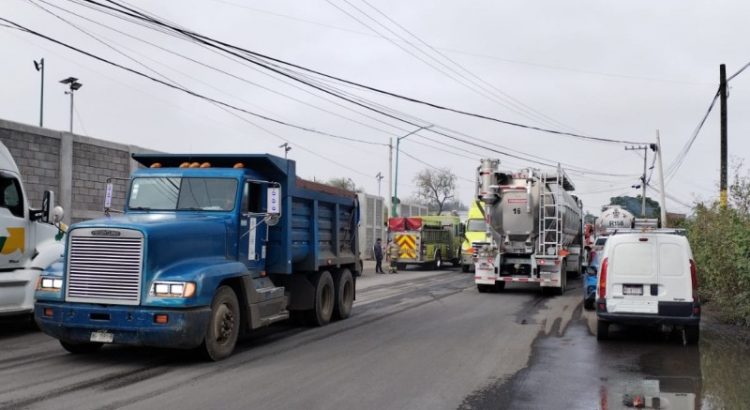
<point x="74" y="86"/>
<point x="39" y="65"/>
<point x="395" y="200"/>
<point x="379" y="177"/>
<point x="286" y="147"/>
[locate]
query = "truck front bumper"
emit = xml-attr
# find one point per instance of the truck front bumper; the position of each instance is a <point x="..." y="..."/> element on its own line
<point x="129" y="325"/>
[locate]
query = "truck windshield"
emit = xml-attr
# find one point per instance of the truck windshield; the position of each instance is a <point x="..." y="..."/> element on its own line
<point x="173" y="193"/>
<point x="476" y="225"/>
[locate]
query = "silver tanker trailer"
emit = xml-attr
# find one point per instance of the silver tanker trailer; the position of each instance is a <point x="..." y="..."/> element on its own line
<point x="613" y="217"/>
<point x="536" y="227"/>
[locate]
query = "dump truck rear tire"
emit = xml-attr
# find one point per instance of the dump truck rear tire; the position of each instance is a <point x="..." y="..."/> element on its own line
<point x="325" y="299"/>
<point x="344" y="294"/>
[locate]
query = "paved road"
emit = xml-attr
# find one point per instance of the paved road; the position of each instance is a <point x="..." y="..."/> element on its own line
<point x="416" y="340"/>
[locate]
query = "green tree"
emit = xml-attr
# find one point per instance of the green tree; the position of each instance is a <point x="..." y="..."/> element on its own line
<point x="633" y="204"/>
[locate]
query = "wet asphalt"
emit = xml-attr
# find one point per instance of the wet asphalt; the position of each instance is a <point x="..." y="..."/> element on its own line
<point x="417" y="340"/>
<point x="636" y="368"/>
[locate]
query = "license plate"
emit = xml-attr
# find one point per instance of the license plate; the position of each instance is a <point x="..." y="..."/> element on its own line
<point x="102" y="336"/>
<point x="632" y="290"/>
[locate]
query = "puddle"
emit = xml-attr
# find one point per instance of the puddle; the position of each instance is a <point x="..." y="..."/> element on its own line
<point x="638" y="368"/>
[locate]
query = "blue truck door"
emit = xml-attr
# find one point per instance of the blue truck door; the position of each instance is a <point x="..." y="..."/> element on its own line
<point x="253" y="229"/>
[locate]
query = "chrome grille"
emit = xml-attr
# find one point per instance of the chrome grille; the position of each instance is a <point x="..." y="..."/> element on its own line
<point x="477" y="246"/>
<point x="104" y="266"/>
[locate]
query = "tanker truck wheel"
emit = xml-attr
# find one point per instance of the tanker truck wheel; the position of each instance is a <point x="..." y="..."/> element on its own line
<point x="344" y="285"/>
<point x="224" y="325"/>
<point x="325" y="297"/>
<point x="563" y="278"/>
<point x="485" y="288"/>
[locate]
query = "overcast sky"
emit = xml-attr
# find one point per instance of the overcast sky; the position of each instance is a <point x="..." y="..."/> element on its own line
<point x="609" y="69"/>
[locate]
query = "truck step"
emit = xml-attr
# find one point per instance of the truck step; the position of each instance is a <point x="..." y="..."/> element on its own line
<point x="275" y="318"/>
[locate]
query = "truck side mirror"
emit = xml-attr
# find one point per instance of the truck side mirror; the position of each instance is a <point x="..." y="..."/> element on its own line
<point x="48" y="202"/>
<point x="273" y="205"/>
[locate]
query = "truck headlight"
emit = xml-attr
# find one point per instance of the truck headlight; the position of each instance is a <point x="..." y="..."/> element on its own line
<point x="49" y="284"/>
<point x="173" y="289"/>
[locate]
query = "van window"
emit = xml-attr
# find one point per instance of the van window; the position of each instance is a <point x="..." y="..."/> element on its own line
<point x="672" y="260"/>
<point x="633" y="259"/>
<point x="601" y="241"/>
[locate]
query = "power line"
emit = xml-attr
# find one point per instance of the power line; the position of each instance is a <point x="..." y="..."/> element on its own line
<point x="513" y="101"/>
<point x="675" y="165"/>
<point x="213" y="42"/>
<point x="180" y="88"/>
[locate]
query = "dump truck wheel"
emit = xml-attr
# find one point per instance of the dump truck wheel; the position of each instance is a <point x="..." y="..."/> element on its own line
<point x="80" y="347"/>
<point x="344" y="287"/>
<point x="325" y="299"/>
<point x="224" y="325"/>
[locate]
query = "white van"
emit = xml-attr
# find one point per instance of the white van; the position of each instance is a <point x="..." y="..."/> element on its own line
<point x="648" y="278"/>
<point x="30" y="240"/>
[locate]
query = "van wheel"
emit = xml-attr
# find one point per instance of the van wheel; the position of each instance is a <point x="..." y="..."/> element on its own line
<point x="325" y="296"/>
<point x="80" y="347"/>
<point x="224" y="325"/>
<point x="602" y="330"/>
<point x="344" y="287"/>
<point x="588" y="304"/>
<point x="692" y="334"/>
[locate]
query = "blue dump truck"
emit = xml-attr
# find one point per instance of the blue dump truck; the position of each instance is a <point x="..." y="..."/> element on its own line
<point x="209" y="247"/>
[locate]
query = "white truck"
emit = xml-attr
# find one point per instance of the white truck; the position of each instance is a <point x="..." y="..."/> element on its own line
<point x="536" y="227"/>
<point x="30" y="240"/>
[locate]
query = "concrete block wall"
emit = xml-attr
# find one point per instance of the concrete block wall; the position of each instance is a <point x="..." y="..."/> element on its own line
<point x="75" y="167"/>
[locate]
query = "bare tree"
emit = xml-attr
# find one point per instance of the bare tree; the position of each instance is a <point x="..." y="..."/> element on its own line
<point x="344" y="183"/>
<point x="436" y="187"/>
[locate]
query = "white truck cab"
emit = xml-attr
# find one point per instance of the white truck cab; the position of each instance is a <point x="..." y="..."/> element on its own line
<point x="648" y="277"/>
<point x="30" y="240"/>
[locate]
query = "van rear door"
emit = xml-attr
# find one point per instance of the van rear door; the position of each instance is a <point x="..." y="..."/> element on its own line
<point x="675" y="284"/>
<point x="632" y="270"/>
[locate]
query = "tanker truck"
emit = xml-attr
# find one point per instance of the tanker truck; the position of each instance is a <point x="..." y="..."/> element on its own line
<point x="613" y="217"/>
<point x="536" y="227"/>
<point x="209" y="247"/>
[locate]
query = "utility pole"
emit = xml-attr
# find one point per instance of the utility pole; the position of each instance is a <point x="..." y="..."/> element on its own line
<point x="379" y="177"/>
<point x="39" y="65"/>
<point x="662" y="188"/>
<point x="723" y="94"/>
<point x="643" y="177"/>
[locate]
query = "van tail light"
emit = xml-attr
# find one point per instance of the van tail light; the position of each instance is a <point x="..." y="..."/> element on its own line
<point x="603" y="279"/>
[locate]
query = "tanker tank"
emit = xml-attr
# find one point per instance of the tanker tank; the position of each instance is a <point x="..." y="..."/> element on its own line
<point x="614" y="217"/>
<point x="515" y="203"/>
